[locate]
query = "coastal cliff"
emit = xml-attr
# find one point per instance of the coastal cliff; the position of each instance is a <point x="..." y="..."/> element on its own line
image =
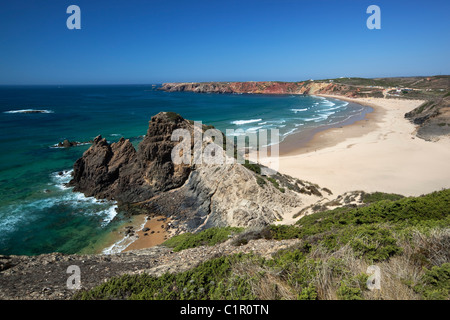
<point x="118" y="172"/>
<point x="432" y="118"/>
<point x="194" y="196"/>
<point x="261" y="87"/>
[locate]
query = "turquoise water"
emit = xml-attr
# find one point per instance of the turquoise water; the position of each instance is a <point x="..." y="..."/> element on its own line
<point x="39" y="215"/>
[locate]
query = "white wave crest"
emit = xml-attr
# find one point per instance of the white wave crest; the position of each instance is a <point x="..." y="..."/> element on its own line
<point x="29" y="111"/>
<point x="299" y="110"/>
<point x="241" y="122"/>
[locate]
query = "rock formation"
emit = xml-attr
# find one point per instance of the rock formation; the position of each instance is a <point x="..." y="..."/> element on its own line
<point x="118" y="172"/>
<point x="432" y="118"/>
<point x="194" y="196"/>
<point x="265" y="87"/>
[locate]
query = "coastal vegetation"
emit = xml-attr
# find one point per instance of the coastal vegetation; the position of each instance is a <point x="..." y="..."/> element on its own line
<point x="406" y="237"/>
<point x="210" y="237"/>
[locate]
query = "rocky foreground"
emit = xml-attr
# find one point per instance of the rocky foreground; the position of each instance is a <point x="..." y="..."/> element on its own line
<point x="44" y="277"/>
<point x="194" y="197"/>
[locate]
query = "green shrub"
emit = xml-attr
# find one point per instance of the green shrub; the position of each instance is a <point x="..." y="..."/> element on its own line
<point x="173" y="116"/>
<point x="252" y="167"/>
<point x="432" y="210"/>
<point x="282" y="232"/>
<point x="378" y="196"/>
<point x="260" y="181"/>
<point x="435" y="283"/>
<point x="210" y="280"/>
<point x="210" y="237"/>
<point x="308" y="293"/>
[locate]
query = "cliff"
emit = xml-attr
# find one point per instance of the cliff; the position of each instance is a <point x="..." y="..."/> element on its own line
<point x="269" y="87"/>
<point x="432" y="118"/>
<point x="118" y="172"/>
<point x="193" y="196"/>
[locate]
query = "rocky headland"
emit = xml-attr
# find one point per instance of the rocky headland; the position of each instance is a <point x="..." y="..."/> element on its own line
<point x="432" y="118"/>
<point x="261" y="87"/>
<point x="194" y="196"/>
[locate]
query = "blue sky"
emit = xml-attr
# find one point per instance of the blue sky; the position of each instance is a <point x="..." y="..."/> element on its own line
<point x="155" y="41"/>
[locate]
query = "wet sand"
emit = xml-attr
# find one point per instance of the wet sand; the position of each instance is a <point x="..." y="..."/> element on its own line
<point x="156" y="234"/>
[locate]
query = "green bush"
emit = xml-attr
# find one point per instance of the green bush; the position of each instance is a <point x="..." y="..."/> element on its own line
<point x="260" y="181"/>
<point x="435" y="283"/>
<point x="210" y="237"/>
<point x="432" y="210"/>
<point x="173" y="116"/>
<point x="282" y="232"/>
<point x="252" y="167"/>
<point x="348" y="292"/>
<point x="210" y="280"/>
<point x="308" y="293"/>
<point x="378" y="196"/>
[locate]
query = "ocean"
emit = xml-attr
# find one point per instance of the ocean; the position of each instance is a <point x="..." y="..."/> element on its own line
<point x="38" y="214"/>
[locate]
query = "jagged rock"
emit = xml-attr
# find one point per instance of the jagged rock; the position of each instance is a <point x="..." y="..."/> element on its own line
<point x="199" y="196"/>
<point x="119" y="172"/>
<point x="67" y="144"/>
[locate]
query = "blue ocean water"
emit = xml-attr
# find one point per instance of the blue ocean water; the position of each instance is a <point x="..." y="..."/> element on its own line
<point x="39" y="215"/>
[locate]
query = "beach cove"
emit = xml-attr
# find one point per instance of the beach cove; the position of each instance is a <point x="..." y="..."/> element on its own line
<point x="378" y="153"/>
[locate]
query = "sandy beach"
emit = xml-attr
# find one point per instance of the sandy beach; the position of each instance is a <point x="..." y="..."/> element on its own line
<point x="153" y="233"/>
<point x="377" y="153"/>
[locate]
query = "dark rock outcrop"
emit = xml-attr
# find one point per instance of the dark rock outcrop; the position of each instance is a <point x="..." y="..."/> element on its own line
<point x="432" y="118"/>
<point x="194" y="196"/>
<point x="118" y="172"/>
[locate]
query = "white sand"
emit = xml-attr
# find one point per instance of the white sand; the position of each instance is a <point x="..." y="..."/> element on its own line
<point x="379" y="154"/>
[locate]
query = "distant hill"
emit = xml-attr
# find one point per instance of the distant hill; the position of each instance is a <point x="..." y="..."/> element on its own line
<point x="432" y="118"/>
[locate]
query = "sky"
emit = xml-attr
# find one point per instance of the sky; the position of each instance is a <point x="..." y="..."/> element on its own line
<point x="156" y="41"/>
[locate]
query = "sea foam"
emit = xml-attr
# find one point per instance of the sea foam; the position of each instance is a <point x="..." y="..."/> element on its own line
<point x="29" y="111"/>
<point x="299" y="110"/>
<point x="241" y="122"/>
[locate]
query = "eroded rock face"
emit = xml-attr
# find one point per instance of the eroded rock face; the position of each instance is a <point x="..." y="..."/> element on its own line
<point x="432" y="118"/>
<point x="260" y="87"/>
<point x="195" y="196"/>
<point x="117" y="171"/>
